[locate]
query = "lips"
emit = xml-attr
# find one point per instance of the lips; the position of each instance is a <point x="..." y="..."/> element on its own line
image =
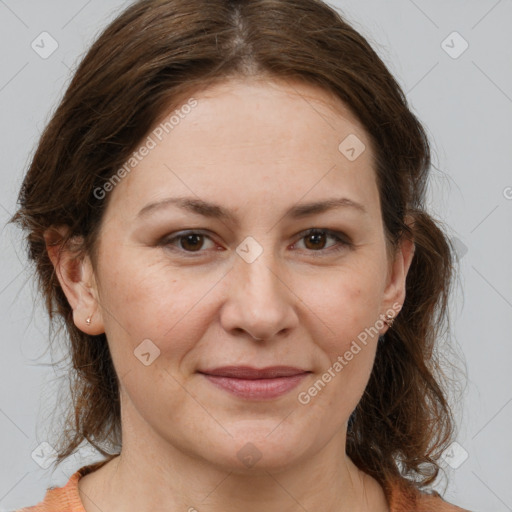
<point x="253" y="383"/>
<point x="247" y="372"/>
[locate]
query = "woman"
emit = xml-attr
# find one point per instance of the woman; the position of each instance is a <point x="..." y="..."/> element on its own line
<point x="227" y="213"/>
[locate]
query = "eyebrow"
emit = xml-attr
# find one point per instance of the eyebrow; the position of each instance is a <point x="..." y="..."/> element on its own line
<point x="216" y="211"/>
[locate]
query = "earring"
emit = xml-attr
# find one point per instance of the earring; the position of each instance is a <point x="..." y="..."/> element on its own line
<point x="389" y="320"/>
<point x="88" y="320"/>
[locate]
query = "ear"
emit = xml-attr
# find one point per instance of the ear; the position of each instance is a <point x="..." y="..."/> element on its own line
<point x="77" y="280"/>
<point x="394" y="293"/>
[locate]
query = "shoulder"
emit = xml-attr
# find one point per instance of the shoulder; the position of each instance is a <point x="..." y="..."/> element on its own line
<point x="67" y="497"/>
<point x="429" y="502"/>
<point x="404" y="496"/>
<point x="57" y="498"/>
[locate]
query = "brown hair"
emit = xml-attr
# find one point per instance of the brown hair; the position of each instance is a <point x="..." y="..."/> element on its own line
<point x="159" y="51"/>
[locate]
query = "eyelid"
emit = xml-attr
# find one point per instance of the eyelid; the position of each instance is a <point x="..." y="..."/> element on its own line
<point x="167" y="239"/>
<point x="343" y="241"/>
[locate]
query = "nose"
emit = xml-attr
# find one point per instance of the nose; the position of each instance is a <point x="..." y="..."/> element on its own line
<point x="259" y="300"/>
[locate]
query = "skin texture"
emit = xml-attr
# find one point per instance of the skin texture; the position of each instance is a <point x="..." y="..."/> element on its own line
<point x="258" y="148"/>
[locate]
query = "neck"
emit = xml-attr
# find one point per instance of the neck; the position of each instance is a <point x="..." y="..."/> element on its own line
<point x="154" y="474"/>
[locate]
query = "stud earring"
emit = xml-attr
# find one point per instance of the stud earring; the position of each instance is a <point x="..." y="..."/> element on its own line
<point x="88" y="320"/>
<point x="389" y="320"/>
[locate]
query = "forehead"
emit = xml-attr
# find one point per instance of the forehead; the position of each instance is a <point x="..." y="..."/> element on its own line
<point x="244" y="141"/>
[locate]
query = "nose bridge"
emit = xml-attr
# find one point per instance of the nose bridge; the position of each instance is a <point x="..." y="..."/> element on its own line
<point x="258" y="277"/>
<point x="259" y="301"/>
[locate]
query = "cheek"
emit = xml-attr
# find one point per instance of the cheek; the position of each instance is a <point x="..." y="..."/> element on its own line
<point x="348" y="339"/>
<point x="346" y="347"/>
<point x="151" y="302"/>
<point x="349" y="306"/>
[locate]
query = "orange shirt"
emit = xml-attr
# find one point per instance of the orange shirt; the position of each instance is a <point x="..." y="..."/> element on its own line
<point x="402" y="497"/>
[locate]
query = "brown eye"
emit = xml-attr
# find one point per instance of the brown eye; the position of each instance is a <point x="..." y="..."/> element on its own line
<point x="187" y="242"/>
<point x="191" y="242"/>
<point x="315" y="240"/>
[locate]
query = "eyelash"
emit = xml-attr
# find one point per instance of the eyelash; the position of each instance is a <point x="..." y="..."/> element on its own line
<point x="343" y="243"/>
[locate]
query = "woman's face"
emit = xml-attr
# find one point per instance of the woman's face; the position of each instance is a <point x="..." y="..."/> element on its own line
<point x="250" y="287"/>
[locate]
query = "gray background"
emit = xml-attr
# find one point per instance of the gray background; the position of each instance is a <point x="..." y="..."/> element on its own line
<point x="464" y="101"/>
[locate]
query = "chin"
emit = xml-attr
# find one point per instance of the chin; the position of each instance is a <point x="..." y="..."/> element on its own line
<point x="261" y="446"/>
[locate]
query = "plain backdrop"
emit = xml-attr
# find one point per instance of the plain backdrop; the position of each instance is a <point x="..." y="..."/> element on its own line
<point x="454" y="62"/>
